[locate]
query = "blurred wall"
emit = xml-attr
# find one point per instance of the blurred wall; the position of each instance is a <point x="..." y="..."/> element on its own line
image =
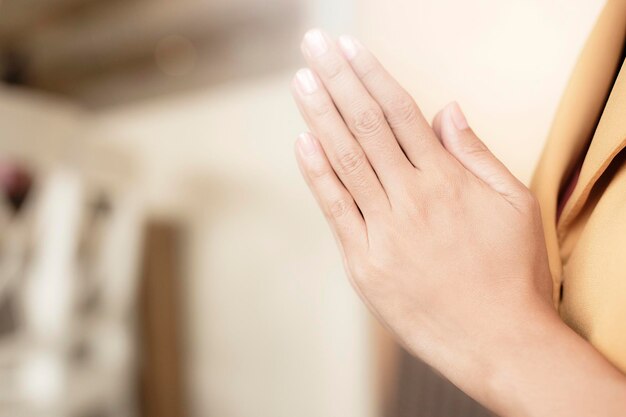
<point x="36" y="128"/>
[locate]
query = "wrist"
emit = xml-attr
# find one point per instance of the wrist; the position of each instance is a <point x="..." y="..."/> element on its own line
<point x="520" y="357"/>
<point x="485" y="362"/>
<point x="545" y="368"/>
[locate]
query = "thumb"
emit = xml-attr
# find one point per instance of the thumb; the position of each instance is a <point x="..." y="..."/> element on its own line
<point x="459" y="139"/>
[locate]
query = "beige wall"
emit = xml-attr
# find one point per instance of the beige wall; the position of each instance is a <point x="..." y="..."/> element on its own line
<point x="36" y="128"/>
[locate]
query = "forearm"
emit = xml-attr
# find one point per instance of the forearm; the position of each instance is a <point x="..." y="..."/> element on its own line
<point x="549" y="370"/>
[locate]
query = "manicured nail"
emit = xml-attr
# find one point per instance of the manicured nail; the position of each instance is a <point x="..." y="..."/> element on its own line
<point x="307" y="145"/>
<point x="315" y="43"/>
<point x="458" y="118"/>
<point x="349" y="46"/>
<point x="306" y="81"/>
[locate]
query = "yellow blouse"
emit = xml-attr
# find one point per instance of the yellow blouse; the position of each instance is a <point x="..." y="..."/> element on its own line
<point x="587" y="245"/>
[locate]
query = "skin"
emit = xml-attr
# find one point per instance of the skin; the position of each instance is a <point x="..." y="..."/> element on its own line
<point x="441" y="241"/>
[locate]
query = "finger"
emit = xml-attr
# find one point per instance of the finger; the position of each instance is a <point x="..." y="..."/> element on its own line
<point x="361" y="112"/>
<point x="335" y="201"/>
<point x="346" y="156"/>
<point x="473" y="154"/>
<point x="412" y="130"/>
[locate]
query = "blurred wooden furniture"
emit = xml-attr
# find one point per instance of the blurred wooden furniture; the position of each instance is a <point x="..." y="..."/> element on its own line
<point x="161" y="375"/>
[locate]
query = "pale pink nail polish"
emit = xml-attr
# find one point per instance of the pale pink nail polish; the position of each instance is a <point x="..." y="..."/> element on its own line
<point x="315" y="43"/>
<point x="307" y="145"/>
<point x="307" y="84"/>
<point x="458" y="118"/>
<point x="349" y="46"/>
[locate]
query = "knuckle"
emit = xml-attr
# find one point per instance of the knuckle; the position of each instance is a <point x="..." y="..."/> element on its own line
<point x="451" y="190"/>
<point x="358" y="270"/>
<point x="529" y="201"/>
<point x="332" y="68"/>
<point x="446" y="186"/>
<point x="318" y="171"/>
<point x="368" y="273"/>
<point x="368" y="121"/>
<point x="351" y="162"/>
<point x="321" y="108"/>
<point x="338" y="208"/>
<point x="402" y="109"/>
<point x="475" y="148"/>
<point x="363" y="271"/>
<point x="368" y="69"/>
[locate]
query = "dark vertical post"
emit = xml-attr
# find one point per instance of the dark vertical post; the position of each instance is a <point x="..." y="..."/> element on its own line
<point x="161" y="376"/>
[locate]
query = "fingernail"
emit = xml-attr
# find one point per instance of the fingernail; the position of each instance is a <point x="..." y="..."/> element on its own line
<point x="306" y="81"/>
<point x="306" y="143"/>
<point x="458" y="118"/>
<point x="349" y="46"/>
<point x="315" y="43"/>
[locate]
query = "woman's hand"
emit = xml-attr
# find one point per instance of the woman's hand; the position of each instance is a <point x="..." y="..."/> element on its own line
<point x="440" y="240"/>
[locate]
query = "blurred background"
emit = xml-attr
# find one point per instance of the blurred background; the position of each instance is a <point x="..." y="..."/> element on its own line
<point x="159" y="253"/>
